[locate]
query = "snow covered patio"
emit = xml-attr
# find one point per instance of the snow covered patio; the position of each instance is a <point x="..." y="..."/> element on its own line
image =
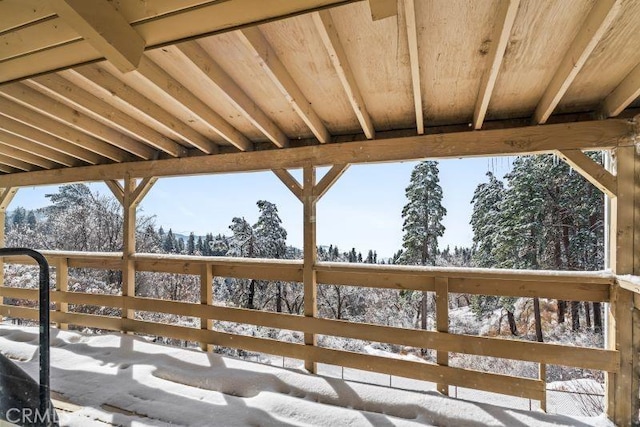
<point x="124" y="380"/>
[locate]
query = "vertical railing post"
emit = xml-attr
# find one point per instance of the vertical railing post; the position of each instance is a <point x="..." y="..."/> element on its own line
<point x="542" y="376"/>
<point x="621" y="397"/>
<point x="310" y="255"/>
<point x="206" y="298"/>
<point x="6" y="195"/>
<point x="442" y="323"/>
<point x="62" y="285"/>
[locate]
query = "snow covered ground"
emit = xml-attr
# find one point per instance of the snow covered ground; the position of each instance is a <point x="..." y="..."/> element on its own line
<point x="127" y="381"/>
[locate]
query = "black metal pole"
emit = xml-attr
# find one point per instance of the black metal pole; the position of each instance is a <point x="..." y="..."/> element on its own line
<point x="45" y="411"/>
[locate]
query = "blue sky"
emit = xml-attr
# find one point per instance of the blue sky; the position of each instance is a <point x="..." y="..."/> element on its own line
<point x="362" y="210"/>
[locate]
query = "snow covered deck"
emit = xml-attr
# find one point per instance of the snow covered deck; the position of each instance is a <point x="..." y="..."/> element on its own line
<point x="127" y="381"/>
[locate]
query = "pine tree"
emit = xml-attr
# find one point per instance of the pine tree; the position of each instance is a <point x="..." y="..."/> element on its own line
<point x="423" y="215"/>
<point x="191" y="244"/>
<point x="31" y="220"/>
<point x="272" y="239"/>
<point x="169" y="243"/>
<point x="19" y="216"/>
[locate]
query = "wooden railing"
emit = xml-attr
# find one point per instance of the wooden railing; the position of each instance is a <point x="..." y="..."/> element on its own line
<point x="557" y="285"/>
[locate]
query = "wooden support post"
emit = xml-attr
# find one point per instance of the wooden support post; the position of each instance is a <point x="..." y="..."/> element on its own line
<point x="309" y="193"/>
<point x="206" y="298"/>
<point x="621" y="397"/>
<point x="6" y="196"/>
<point x="129" y="246"/>
<point x="442" y="323"/>
<point x="62" y="285"/>
<point x="310" y="255"/>
<point x="635" y="379"/>
<point x="542" y="376"/>
<point x="129" y="195"/>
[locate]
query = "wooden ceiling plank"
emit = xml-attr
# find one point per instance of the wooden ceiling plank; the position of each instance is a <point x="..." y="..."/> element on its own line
<point x="333" y="44"/>
<point x="105" y="29"/>
<point x="233" y="93"/>
<point x="46" y="124"/>
<point x="592" y="171"/>
<point x="15" y="163"/>
<point x="217" y="16"/>
<point x="591" y="135"/>
<point x="591" y="32"/>
<point x="32" y="38"/>
<point x="25" y="156"/>
<point x="506" y="16"/>
<point x="113" y="89"/>
<point x="47" y="140"/>
<point x="43" y="151"/>
<point x="156" y="75"/>
<point x="8" y="169"/>
<point x="623" y="95"/>
<point x="61" y="88"/>
<point x="277" y="72"/>
<point x="414" y="61"/>
<point x="19" y="13"/>
<point x="114" y="140"/>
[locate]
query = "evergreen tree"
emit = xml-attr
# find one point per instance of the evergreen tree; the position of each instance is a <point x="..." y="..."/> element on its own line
<point x="169" y="243"/>
<point x="19" y="216"/>
<point x="423" y="215"/>
<point x="272" y="239"/>
<point x="191" y="244"/>
<point x="31" y="220"/>
<point x="200" y="246"/>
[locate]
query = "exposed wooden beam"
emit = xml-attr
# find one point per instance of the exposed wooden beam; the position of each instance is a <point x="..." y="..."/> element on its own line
<point x="277" y="72"/>
<point x="331" y="40"/>
<point x="195" y="54"/>
<point x="594" y="27"/>
<point x="592" y="171"/>
<point x="47" y="140"/>
<point x="289" y="181"/>
<point x="329" y="179"/>
<point x="111" y="90"/>
<point x="414" y="61"/>
<point x="142" y="189"/>
<point x="18" y="164"/>
<point x="8" y="169"/>
<point x="60" y="88"/>
<point x="25" y="156"/>
<point x="31" y="98"/>
<point x="591" y="135"/>
<point x="623" y="95"/>
<point x="39" y="116"/>
<point x="99" y="23"/>
<point x="508" y="9"/>
<point x="24" y="144"/>
<point x="184" y="23"/>
<point x="381" y="9"/>
<point x="117" y="189"/>
<point x="176" y="90"/>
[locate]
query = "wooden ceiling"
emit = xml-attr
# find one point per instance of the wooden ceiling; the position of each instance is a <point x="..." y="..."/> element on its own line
<point x="189" y="78"/>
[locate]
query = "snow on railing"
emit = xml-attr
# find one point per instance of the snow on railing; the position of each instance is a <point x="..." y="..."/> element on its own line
<point x="575" y="286"/>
